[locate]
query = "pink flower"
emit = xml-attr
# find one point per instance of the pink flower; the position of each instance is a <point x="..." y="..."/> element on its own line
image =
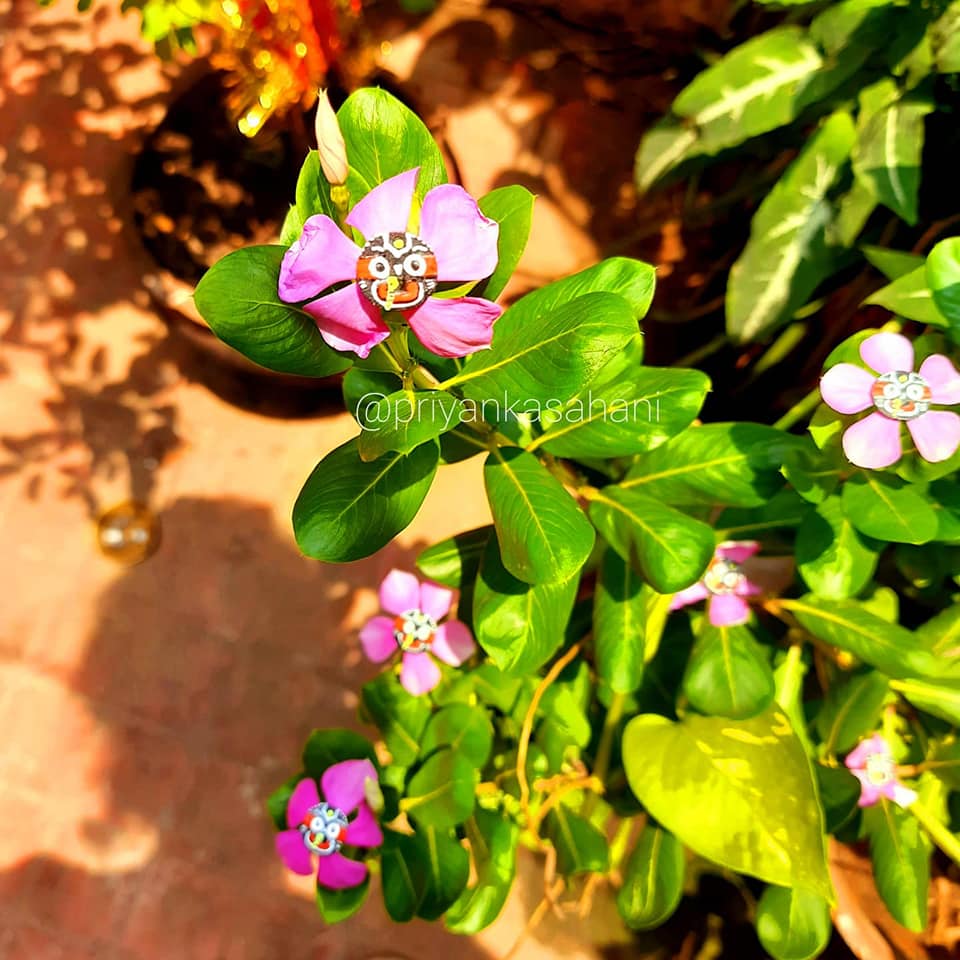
<point x="898" y="394"/>
<point x="322" y="827"/>
<point x="417" y="608"/>
<point x="725" y="584"/>
<point x="397" y="269"/>
<point x="871" y="762"/>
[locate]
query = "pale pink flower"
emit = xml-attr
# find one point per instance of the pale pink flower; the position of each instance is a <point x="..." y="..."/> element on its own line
<point x="871" y="762"/>
<point x="725" y="586"/>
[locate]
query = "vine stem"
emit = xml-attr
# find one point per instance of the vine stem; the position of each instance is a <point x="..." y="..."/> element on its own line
<point x="799" y="410"/>
<point x="940" y="835"/>
<point x="601" y="764"/>
<point x="526" y="730"/>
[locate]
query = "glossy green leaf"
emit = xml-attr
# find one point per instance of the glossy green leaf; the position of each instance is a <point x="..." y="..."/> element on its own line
<point x="884" y="507"/>
<point x="909" y="296"/>
<point x="403" y="875"/>
<point x="349" y="509"/>
<point x="544" y="536"/>
<point x="892" y="263"/>
<point x="400" y="716"/>
<point x="455" y="561"/>
<point x="404" y="420"/>
<point x="324" y="748"/>
<point x="730" y="463"/>
<point x="787" y="256"/>
<point x="580" y="846"/>
<point x="944" y="762"/>
<point x="670" y="549"/>
<point x="728" y="674"/>
<point x="663" y="147"/>
<point x="364" y="388"/>
<point x="337" y="905"/>
<point x="512" y="208"/>
<point x="945" y="40"/>
<point x="900" y="852"/>
<point x="943" y="276"/>
<point x="851" y="710"/>
<point x="464" y="728"/>
<point x="313" y="192"/>
<point x="384" y="138"/>
<point x="812" y="472"/>
<point x="629" y="414"/>
<point x="652" y="880"/>
<point x="619" y="624"/>
<point x="447" y="868"/>
<point x="940" y="699"/>
<point x="833" y="557"/>
<point x="441" y="792"/>
<point x="941" y="633"/>
<point x="738" y="792"/>
<point x="238" y="299"/>
<point x="793" y="924"/>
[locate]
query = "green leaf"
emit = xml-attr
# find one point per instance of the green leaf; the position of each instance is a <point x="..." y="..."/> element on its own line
<point x="653" y="879"/>
<point x="670" y="549"/>
<point x="944" y="762"/>
<point x="940" y="699"/>
<point x="738" y="792"/>
<point x="338" y="905"/>
<point x="572" y="340"/>
<point x="892" y="263"/>
<point x="943" y="277"/>
<point x="909" y="296"/>
<point x="619" y="625"/>
<point x="787" y="257"/>
<point x="580" y="846"/>
<point x="238" y="299"/>
<point x="447" y="867"/>
<point x="851" y="710"/>
<point x="663" y="147"/>
<point x="755" y="88"/>
<point x="519" y="626"/>
<point x="544" y="536"/>
<point x="888" y="152"/>
<point x="463" y="728"/>
<point x="729" y="463"/>
<point x="634" y="412"/>
<point x="404" y="420"/>
<point x="493" y="843"/>
<point x="454" y="562"/>
<point x="900" y="852"/>
<point x="441" y="792"/>
<point x="400" y="716"/>
<point x="324" y="748"/>
<point x="834" y="559"/>
<point x="812" y="472"/>
<point x="884" y="507"/>
<point x="941" y="633"/>
<point x="512" y="208"/>
<point x="313" y="192"/>
<point x="384" y="138"/>
<point x="402" y="870"/>
<point x="349" y="509"/>
<point x="793" y="924"/>
<point x="854" y="209"/>
<point x="728" y="674"/>
<point x="945" y="40"/>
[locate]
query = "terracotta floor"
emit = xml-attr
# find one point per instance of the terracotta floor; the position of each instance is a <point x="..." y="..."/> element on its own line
<point x="146" y="712"/>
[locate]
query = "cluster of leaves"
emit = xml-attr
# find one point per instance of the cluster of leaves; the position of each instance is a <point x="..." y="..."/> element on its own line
<point x="598" y="727"/>
<point x="852" y="83"/>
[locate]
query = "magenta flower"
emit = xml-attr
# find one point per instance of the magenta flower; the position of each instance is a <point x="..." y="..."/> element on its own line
<point x="414" y="629"/>
<point x="397" y="269"/>
<point x="898" y="395"/>
<point x="724" y="584"/>
<point x="871" y="762"/>
<point x="322" y="827"/>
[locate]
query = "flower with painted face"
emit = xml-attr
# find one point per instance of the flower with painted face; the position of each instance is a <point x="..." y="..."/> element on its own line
<point x="871" y="762"/>
<point x="321" y="828"/>
<point x="724" y="586"/>
<point x="898" y="395"/>
<point x="415" y="630"/>
<point x="397" y="269"/>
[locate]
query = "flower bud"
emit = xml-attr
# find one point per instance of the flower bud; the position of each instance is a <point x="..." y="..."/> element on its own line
<point x="330" y="145"/>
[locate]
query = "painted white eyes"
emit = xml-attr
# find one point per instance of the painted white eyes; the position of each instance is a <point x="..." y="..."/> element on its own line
<point x="891" y="391"/>
<point x="415" y="265"/>
<point x="379" y="267"/>
<point x="316" y="824"/>
<point x="914" y="391"/>
<point x="333" y="831"/>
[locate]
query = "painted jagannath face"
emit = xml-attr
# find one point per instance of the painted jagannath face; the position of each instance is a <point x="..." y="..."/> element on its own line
<point x="324" y="829"/>
<point x="901" y="396"/>
<point x="880" y="769"/>
<point x="414" y="631"/>
<point x="397" y="271"/>
<point x="722" y="576"/>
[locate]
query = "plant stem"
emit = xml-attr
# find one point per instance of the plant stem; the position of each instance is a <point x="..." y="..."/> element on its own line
<point x="695" y="356"/>
<point x="940" y="835"/>
<point x="601" y="764"/>
<point x="799" y="410"/>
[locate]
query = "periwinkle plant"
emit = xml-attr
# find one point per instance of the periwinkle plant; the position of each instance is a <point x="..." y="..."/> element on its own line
<point x="581" y="702"/>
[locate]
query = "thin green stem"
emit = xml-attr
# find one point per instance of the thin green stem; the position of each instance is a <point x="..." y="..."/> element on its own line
<point x="702" y="352"/>
<point x="799" y="410"/>
<point x="940" y="835"/>
<point x="601" y="765"/>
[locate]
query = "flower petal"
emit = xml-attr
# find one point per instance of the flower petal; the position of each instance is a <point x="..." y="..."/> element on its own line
<point x="348" y="321"/>
<point x="873" y="442"/>
<point x="435" y="600"/>
<point x="846" y="388"/>
<point x="293" y="852"/>
<point x="455" y="327"/>
<point x="304" y="796"/>
<point x="737" y="550"/>
<point x="343" y="783"/>
<point x="377" y="639"/>
<point x="691" y="594"/>
<point x="942" y="377"/>
<point x="728" y="610"/>
<point x="364" y="831"/>
<point x="337" y="872"/>
<point x="399" y="592"/>
<point x="453" y="643"/>
<point x="869" y="794"/>
<point x="857" y="757"/>
<point x="319" y="258"/>
<point x="903" y="796"/>
<point x="747" y="588"/>
<point x="463" y="240"/>
<point x="419" y="674"/>
<point x="386" y="208"/>
<point x="887" y="352"/>
<point x="936" y="434"/>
